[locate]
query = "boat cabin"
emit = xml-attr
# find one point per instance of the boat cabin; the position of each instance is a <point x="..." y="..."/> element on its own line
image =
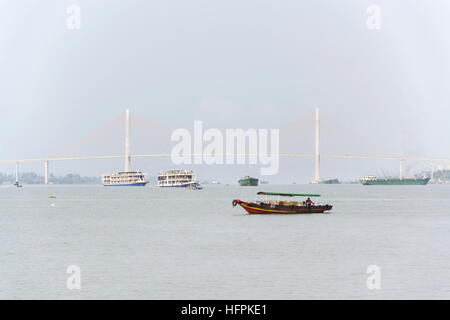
<point x="283" y="198"/>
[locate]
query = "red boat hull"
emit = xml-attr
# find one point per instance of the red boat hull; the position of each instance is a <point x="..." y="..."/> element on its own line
<point x="263" y="208"/>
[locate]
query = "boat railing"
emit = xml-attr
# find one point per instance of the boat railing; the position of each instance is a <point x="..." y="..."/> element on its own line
<point x="282" y="203"/>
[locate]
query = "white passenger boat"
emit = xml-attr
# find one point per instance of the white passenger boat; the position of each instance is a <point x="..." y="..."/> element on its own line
<point x="130" y="178"/>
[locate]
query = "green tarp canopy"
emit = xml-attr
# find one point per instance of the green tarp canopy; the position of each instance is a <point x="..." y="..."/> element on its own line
<point x="284" y="194"/>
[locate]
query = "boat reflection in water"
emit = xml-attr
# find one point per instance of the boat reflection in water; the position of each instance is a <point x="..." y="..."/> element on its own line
<point x="283" y="207"/>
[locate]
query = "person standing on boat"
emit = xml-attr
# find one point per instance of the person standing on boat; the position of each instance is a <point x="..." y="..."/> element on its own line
<point x="309" y="202"/>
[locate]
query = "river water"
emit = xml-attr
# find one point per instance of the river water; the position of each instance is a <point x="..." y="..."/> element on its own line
<point x="150" y="243"/>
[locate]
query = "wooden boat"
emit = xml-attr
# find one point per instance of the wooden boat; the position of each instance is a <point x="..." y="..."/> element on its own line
<point x="283" y="207"/>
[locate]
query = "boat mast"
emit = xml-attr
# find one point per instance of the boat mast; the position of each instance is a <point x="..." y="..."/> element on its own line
<point x="317" y="153"/>
<point x="127" y="167"/>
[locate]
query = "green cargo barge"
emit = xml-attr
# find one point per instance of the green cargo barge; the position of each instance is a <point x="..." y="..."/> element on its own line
<point x="374" y="181"/>
<point x="248" y="181"/>
<point x="330" y="181"/>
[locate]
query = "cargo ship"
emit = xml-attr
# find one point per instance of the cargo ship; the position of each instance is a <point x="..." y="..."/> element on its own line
<point x="374" y="181"/>
<point x="248" y="181"/>
<point x="330" y="181"/>
<point x="178" y="179"/>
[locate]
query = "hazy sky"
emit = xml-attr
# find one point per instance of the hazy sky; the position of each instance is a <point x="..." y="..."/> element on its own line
<point x="231" y="64"/>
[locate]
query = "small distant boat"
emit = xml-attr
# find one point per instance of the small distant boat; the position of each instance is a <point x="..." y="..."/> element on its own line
<point x="194" y="186"/>
<point x="248" y="181"/>
<point x="283" y="207"/>
<point x="372" y="180"/>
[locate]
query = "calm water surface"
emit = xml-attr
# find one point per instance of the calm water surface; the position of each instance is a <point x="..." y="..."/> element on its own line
<point x="150" y="243"/>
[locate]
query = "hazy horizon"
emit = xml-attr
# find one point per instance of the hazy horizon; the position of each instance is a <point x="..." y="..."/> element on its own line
<point x="231" y="64"/>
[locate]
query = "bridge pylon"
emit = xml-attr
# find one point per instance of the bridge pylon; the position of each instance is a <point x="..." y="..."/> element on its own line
<point x="46" y="171"/>
<point x="317" y="150"/>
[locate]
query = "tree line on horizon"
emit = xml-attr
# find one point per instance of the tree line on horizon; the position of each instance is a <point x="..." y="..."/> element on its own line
<point x="34" y="178"/>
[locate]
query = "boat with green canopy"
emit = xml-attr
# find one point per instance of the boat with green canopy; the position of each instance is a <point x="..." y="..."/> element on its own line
<point x="271" y="206"/>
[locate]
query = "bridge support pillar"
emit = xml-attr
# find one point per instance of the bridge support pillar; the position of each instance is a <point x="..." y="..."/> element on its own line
<point x="401" y="169"/>
<point x="46" y="172"/>
<point x="317" y="151"/>
<point x="17" y="172"/>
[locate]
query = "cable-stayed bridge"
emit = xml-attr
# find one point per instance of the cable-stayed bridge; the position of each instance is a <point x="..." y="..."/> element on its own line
<point x="317" y="155"/>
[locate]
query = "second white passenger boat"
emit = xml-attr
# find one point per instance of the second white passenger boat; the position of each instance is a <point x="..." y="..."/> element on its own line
<point x="178" y="179"/>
